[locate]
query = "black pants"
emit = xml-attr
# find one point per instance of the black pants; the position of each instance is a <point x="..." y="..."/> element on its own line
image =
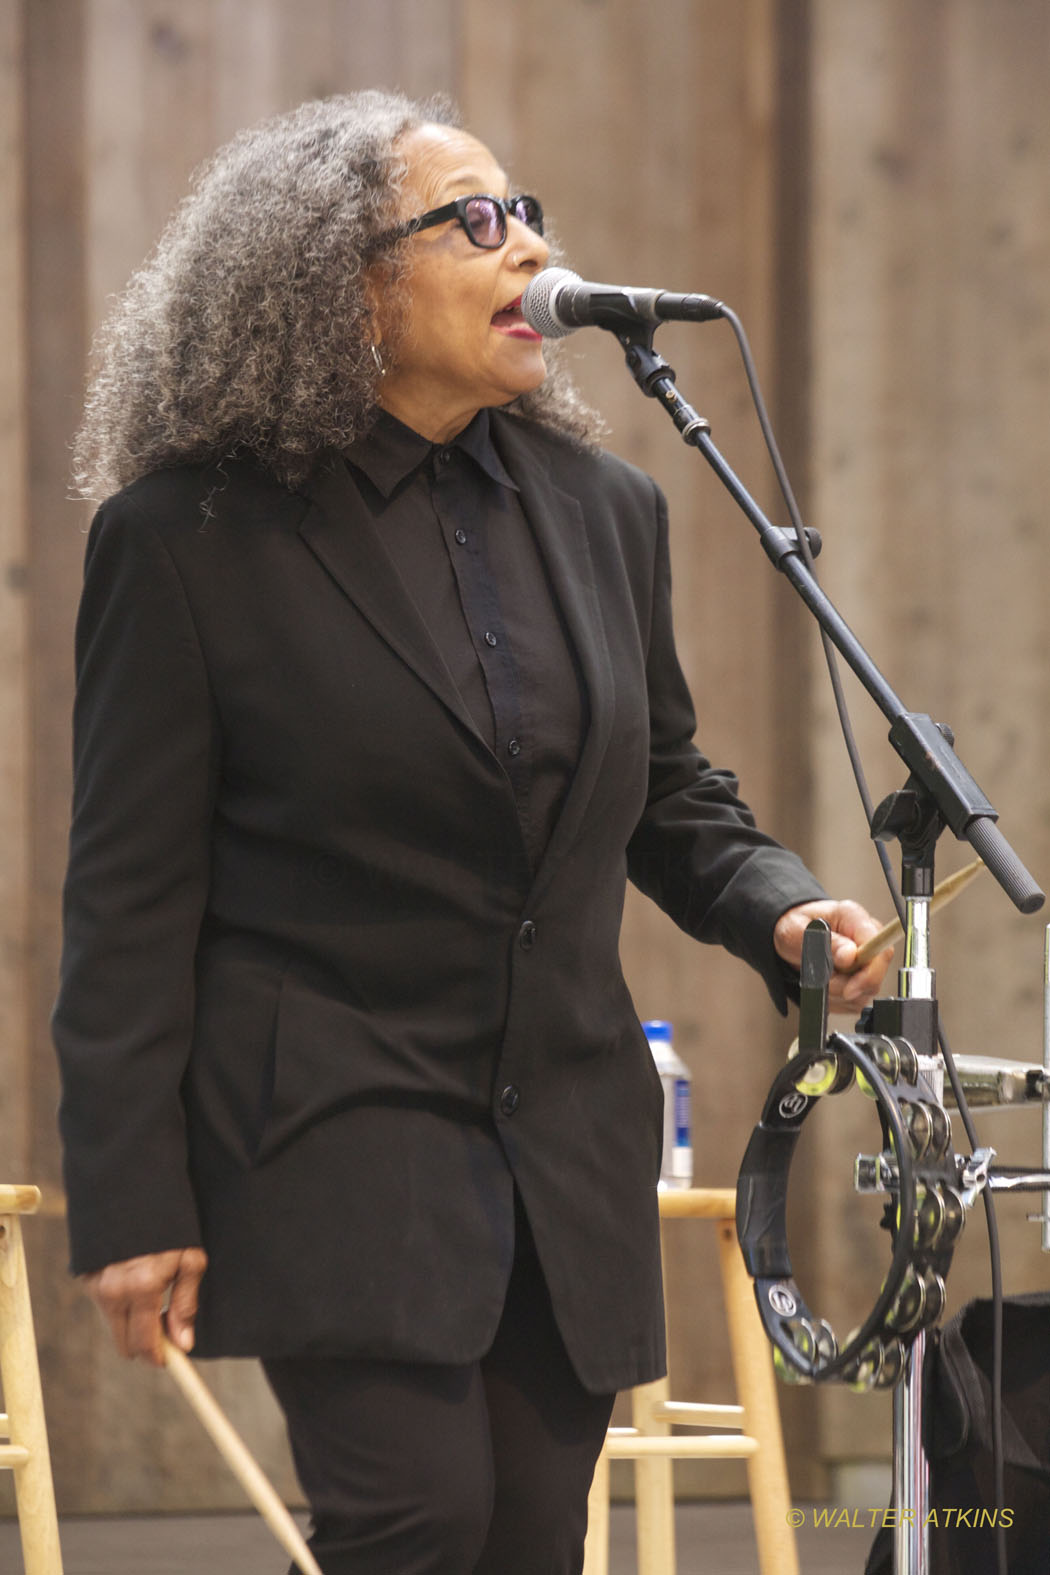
<point x="420" y="1469"/>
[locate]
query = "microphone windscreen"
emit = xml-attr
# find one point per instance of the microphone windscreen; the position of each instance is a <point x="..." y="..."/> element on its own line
<point x="536" y="303"/>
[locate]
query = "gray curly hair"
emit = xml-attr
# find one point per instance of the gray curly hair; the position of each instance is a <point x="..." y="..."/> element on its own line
<point x="249" y="327"/>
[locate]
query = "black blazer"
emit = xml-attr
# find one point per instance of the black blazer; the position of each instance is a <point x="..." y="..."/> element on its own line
<point x="315" y="1011"/>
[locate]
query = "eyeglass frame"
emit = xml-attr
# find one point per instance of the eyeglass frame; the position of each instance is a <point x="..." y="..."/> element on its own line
<point x="457" y="209"/>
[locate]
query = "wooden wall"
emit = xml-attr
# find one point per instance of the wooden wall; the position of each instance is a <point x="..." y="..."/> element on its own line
<point x="930" y="356"/>
<point x="865" y="183"/>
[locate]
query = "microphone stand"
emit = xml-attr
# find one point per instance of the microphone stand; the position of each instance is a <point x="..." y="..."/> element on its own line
<point x="923" y="746"/>
<point x="939" y="792"/>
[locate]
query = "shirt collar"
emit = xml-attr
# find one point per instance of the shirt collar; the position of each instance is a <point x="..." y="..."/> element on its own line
<point x="391" y="452"/>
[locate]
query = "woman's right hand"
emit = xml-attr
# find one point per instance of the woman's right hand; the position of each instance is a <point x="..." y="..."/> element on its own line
<point x="134" y="1294"/>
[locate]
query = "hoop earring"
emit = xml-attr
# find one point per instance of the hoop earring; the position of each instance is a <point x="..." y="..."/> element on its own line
<point x="378" y="359"/>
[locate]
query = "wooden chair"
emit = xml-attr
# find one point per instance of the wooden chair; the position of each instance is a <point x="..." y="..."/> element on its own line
<point x="26" y="1452"/>
<point x="749" y="1430"/>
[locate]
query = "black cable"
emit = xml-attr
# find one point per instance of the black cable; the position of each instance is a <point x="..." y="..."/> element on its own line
<point x="831" y="657"/>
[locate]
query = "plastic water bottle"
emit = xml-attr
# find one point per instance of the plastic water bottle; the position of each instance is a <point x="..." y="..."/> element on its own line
<point x="677" y="1167"/>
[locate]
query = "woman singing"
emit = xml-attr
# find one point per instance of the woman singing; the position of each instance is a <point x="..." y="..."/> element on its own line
<point x="377" y="710"/>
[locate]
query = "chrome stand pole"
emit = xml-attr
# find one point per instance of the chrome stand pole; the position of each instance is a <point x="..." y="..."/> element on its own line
<point x="911" y="1474"/>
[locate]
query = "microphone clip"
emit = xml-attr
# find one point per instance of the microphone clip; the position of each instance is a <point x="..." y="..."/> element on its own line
<point x="656" y="378"/>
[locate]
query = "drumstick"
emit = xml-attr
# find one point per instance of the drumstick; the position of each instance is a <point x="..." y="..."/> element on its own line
<point x="240" y="1461"/>
<point x="893" y="932"/>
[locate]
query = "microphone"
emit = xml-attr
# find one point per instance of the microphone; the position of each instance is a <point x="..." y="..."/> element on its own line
<point x="558" y="301"/>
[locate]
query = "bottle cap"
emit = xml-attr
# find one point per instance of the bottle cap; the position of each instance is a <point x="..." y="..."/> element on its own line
<point x="659" y="1030"/>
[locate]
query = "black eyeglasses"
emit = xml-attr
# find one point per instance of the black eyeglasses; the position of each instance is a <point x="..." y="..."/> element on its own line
<point x="482" y="218"/>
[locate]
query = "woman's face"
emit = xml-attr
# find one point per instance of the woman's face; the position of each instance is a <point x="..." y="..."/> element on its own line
<point x="463" y="343"/>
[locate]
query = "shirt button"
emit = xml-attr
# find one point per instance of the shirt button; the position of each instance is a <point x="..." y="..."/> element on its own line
<point x="461" y="537"/>
<point x="490" y="638"/>
<point x="527" y="935"/>
<point x="514" y="747"/>
<point x="509" y="1100"/>
<point x="444" y="456"/>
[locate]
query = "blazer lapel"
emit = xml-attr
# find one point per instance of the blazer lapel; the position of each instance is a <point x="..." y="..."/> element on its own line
<point x="557" y="518"/>
<point x="340" y="532"/>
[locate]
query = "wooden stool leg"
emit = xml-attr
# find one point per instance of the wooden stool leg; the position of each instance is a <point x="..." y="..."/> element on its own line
<point x="756" y="1391"/>
<point x="653" y="1487"/>
<point x="20" y="1376"/>
<point x="596" y="1548"/>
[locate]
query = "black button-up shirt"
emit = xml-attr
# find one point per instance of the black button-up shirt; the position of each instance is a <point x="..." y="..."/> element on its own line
<point x="452" y="521"/>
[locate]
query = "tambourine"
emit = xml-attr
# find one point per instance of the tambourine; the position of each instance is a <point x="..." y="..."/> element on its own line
<point x="924" y="1210"/>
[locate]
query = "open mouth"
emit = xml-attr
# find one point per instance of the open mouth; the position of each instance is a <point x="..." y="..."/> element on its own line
<point x="508" y="320"/>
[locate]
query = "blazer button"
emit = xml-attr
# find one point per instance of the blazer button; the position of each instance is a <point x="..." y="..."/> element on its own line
<point x="509" y="1099"/>
<point x="527" y="935"/>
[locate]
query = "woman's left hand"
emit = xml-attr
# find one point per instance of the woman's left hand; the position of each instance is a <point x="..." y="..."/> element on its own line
<point x="851" y="925"/>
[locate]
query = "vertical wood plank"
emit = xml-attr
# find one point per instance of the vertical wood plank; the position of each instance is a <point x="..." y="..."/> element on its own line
<point x="53" y="244"/>
<point x="14" y="634"/>
<point x="145" y="136"/>
<point x="249" y="63"/>
<point x="55" y="343"/>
